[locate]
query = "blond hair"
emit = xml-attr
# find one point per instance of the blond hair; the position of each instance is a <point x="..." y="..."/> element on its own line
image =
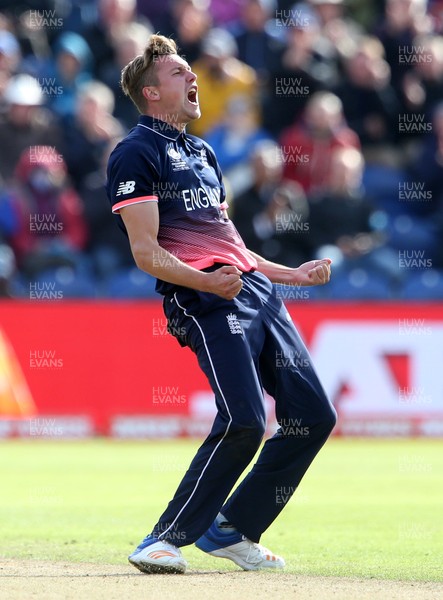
<point x="140" y="72"/>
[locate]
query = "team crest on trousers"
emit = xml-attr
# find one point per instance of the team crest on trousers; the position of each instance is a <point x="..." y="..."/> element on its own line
<point x="234" y="324"/>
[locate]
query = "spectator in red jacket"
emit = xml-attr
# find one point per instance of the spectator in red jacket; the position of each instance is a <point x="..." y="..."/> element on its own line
<point x="52" y="229"/>
<point x="308" y="145"/>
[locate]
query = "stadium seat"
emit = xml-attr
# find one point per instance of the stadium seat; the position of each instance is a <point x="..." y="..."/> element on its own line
<point x="381" y="186"/>
<point x="130" y="283"/>
<point x="62" y="283"/>
<point x="18" y="286"/>
<point x="359" y="284"/>
<point x="426" y="285"/>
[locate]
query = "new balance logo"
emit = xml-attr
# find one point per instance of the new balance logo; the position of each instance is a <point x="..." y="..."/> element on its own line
<point x="234" y="324"/>
<point x="125" y="187"/>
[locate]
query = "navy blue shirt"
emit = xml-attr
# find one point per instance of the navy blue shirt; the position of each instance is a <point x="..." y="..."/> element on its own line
<point x="157" y="163"/>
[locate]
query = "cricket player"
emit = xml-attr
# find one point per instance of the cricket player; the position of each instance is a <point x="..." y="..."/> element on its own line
<point x="166" y="188"/>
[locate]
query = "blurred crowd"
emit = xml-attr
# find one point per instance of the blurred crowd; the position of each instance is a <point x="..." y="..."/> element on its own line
<point x="326" y="117"/>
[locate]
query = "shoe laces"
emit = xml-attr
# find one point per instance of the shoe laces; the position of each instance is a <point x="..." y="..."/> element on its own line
<point x="256" y="552"/>
<point x="175" y="548"/>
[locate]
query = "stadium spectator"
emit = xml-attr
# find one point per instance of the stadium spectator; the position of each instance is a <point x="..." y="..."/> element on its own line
<point x="107" y="248"/>
<point x="128" y="42"/>
<point x="328" y="10"/>
<point x="190" y="22"/>
<point x="342" y="217"/>
<point x="51" y="230"/>
<point x="10" y="56"/>
<point x="113" y="17"/>
<point x="257" y="41"/>
<point x="280" y="231"/>
<point x="422" y="86"/>
<point x="234" y="139"/>
<point x="423" y="191"/>
<point x="427" y="164"/>
<point x="270" y="214"/>
<point x="7" y="270"/>
<point x="251" y="89"/>
<point x="25" y="123"/>
<point x="308" y="145"/>
<point x="35" y="39"/>
<point x="67" y="71"/>
<point x="371" y="105"/>
<point x="435" y="12"/>
<point x="307" y="64"/>
<point x="9" y="224"/>
<point x="402" y="21"/>
<point x="89" y="131"/>
<point x="221" y="77"/>
<point x="267" y="169"/>
<point x="337" y="30"/>
<point x="225" y="13"/>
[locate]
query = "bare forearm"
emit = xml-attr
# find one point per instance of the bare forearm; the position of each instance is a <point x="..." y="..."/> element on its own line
<point x="160" y="263"/>
<point x="313" y="272"/>
<point x="275" y="272"/>
<point x="142" y="224"/>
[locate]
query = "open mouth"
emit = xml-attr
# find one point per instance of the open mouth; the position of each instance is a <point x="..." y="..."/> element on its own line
<point x="193" y="97"/>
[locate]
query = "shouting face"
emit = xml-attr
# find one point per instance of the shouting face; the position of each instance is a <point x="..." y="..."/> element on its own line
<point x="174" y="98"/>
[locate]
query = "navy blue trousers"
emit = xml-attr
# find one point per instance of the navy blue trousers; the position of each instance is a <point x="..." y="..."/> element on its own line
<point x="243" y="346"/>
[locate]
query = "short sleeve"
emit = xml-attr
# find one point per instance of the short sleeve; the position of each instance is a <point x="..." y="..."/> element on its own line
<point x="132" y="177"/>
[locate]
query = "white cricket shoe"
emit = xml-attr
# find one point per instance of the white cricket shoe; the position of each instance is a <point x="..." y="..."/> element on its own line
<point x="250" y="556"/>
<point x="238" y="548"/>
<point x="156" y="556"/>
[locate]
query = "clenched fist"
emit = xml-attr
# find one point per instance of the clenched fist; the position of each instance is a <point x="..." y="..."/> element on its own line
<point x="314" y="272"/>
<point x="224" y="282"/>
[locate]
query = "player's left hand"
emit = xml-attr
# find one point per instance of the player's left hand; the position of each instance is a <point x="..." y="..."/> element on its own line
<point x="314" y="272"/>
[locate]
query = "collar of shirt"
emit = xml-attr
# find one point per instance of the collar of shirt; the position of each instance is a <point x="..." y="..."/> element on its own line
<point x="160" y="127"/>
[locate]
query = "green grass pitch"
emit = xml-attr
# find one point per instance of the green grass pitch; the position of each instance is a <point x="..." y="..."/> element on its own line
<point x="366" y="508"/>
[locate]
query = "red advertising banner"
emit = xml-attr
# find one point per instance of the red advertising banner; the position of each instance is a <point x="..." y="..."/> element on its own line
<point x="73" y="369"/>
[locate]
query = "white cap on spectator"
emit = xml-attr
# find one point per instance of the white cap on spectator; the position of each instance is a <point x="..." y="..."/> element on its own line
<point x="24" y="90"/>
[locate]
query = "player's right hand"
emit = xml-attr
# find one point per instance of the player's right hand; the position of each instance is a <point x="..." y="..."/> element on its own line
<point x="225" y="282"/>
